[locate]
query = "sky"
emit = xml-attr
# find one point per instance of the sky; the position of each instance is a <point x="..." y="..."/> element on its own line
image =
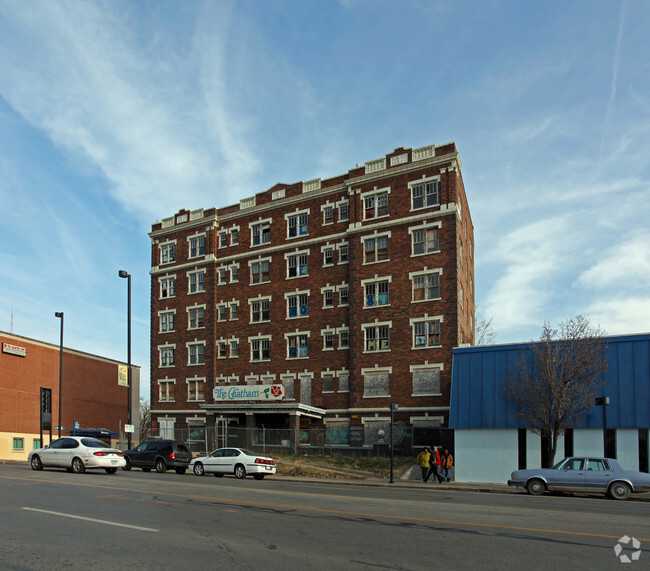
<point x="116" y="114"/>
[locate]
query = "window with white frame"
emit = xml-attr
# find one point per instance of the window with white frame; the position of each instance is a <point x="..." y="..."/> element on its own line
<point x="297" y="304"/>
<point x="343" y="253"/>
<point x="166" y="353"/>
<point x="328" y="383"/>
<point x="344" y="294"/>
<point x="260" y="309"/>
<point x="234" y="236"/>
<point x="344" y="337"/>
<point x="223" y="239"/>
<point x="328" y="297"/>
<point x="343" y="208"/>
<point x="260" y="271"/>
<point x="344" y="382"/>
<point x="222" y="349"/>
<point x="195" y="390"/>
<point x="196" y="353"/>
<point x="426" y="380"/>
<point x="289" y="387"/>
<point x="328" y="340"/>
<point x="167" y="320"/>
<point x="234" y="310"/>
<point x="234" y="273"/>
<point x="424" y="240"/>
<point x="234" y="348"/>
<point x="260" y="348"/>
<point x="167" y="285"/>
<point x="260" y="232"/>
<point x="377" y="337"/>
<point x="328" y="256"/>
<point x="196" y="281"/>
<point x="376" y="383"/>
<point x="297" y="345"/>
<point x="424" y="193"/>
<point x="297" y="224"/>
<point x="196" y="317"/>
<point x="376" y="291"/>
<point x="168" y="253"/>
<point x="297" y="264"/>
<point x="375" y="205"/>
<point x="426" y="286"/>
<point x="166" y="390"/>
<point x="375" y="249"/>
<point x="197" y="246"/>
<point x="222" y="275"/>
<point x="426" y="332"/>
<point x="328" y="214"/>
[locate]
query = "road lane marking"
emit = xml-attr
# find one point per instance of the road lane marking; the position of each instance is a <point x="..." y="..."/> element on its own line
<point x="92" y="519"/>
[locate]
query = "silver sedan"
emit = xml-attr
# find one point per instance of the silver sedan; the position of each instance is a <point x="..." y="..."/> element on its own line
<point x="237" y="461"/>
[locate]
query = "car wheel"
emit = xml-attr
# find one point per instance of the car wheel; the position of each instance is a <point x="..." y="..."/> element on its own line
<point x="258" y="476"/>
<point x="161" y="467"/>
<point x="535" y="487"/>
<point x="199" y="470"/>
<point x="619" y="491"/>
<point x="36" y="463"/>
<point x="181" y="471"/>
<point x="146" y="469"/>
<point x="110" y="470"/>
<point x="127" y="466"/>
<point x="240" y="471"/>
<point x="218" y="475"/>
<point x="78" y="466"/>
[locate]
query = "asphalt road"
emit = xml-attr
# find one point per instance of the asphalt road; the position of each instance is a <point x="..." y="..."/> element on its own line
<point x="58" y="520"/>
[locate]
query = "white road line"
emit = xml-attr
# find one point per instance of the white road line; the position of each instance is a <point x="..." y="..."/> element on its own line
<point x="92" y="519"/>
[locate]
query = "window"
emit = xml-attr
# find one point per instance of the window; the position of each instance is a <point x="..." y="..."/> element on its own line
<point x="234" y="273"/>
<point x="223" y="312"/>
<point x="328" y="384"/>
<point x="223" y="275"/>
<point x="328" y="298"/>
<point x="195" y="390"/>
<point x="260" y="271"/>
<point x="289" y="390"/>
<point x="297" y="305"/>
<point x="297" y="265"/>
<point x="343" y="254"/>
<point x="260" y="310"/>
<point x="19" y="444"/>
<point x="375" y="205"/>
<point x="426" y="333"/>
<point x="375" y="249"/>
<point x="167" y="253"/>
<point x="344" y="294"/>
<point x="234" y="236"/>
<point x="328" y="215"/>
<point x="344" y="383"/>
<point x="376" y="338"/>
<point x="343" y="211"/>
<point x="223" y="239"/>
<point x="166" y="356"/>
<point x="196" y="282"/>
<point x="166" y="321"/>
<point x="196" y="317"/>
<point x="234" y="347"/>
<point x="328" y="256"/>
<point x="328" y="340"/>
<point x="166" y="390"/>
<point x="424" y="194"/>
<point x="297" y="225"/>
<point x="197" y="246"/>
<point x="234" y="309"/>
<point x="376" y="383"/>
<point x="167" y="287"/>
<point x="344" y="339"/>
<point x="261" y="233"/>
<point x="425" y="241"/>
<point x="426" y="287"/>
<point x="297" y="346"/>
<point x="36" y="443"/>
<point x="222" y="348"/>
<point x="260" y="349"/>
<point x="195" y="354"/>
<point x="377" y="293"/>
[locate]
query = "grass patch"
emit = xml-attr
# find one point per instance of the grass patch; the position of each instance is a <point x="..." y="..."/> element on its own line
<point x="316" y="466"/>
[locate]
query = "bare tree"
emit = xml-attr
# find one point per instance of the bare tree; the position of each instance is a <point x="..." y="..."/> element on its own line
<point x="483" y="332"/>
<point x="145" y="419"/>
<point x="556" y="379"/>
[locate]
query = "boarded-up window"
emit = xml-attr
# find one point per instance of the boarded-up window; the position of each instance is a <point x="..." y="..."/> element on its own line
<point x="288" y="388"/>
<point x="376" y="384"/>
<point x="343" y="383"/>
<point x="328" y="384"/>
<point x="426" y="382"/>
<point x="305" y="390"/>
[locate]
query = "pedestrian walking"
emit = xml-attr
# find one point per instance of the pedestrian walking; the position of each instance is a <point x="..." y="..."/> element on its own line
<point x="447" y="462"/>
<point x="434" y="465"/>
<point x="423" y="460"/>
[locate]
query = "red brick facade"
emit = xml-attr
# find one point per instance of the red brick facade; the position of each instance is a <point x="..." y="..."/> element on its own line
<point x="396" y="234"/>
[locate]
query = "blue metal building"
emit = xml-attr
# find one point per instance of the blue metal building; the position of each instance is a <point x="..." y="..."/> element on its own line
<point x="490" y="442"/>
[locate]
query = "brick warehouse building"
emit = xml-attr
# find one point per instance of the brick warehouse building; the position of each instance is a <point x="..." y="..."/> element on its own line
<point x="348" y="294"/>
<point x="91" y="393"/>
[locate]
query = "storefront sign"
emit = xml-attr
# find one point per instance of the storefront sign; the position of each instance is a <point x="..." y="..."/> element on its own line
<point x="248" y="392"/>
<point x="14" y="349"/>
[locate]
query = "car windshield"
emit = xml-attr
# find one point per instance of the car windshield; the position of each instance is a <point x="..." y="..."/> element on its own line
<point x="559" y="464"/>
<point x="94" y="443"/>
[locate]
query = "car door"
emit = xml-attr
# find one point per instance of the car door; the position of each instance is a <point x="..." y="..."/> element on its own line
<point x="231" y="457"/>
<point x="214" y="462"/>
<point x="69" y="449"/>
<point x="138" y="458"/>
<point x="49" y="455"/>
<point x="569" y="476"/>
<point x="598" y="475"/>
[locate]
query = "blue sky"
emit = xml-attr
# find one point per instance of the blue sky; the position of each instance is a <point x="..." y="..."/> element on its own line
<point x="116" y="114"/>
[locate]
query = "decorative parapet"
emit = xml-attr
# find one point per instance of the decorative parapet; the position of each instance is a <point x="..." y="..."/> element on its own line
<point x="168" y="222"/>
<point x="377" y="165"/>
<point x="196" y="214"/>
<point x="399" y="160"/>
<point x="277" y="194"/>
<point x="424" y="153"/>
<point x="247" y="203"/>
<point x="310" y="185"/>
<point x="182" y="218"/>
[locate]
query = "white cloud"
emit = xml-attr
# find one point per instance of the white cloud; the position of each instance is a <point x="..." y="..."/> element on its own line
<point x="621" y="315"/>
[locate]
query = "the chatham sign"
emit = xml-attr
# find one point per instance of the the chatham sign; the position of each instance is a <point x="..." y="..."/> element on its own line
<point x="250" y="392"/>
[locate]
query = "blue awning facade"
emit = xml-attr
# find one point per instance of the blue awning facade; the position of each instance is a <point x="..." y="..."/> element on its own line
<point x="478" y="375"/>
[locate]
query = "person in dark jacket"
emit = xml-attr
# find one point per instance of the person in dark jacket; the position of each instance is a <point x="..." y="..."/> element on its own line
<point x="434" y="465"/>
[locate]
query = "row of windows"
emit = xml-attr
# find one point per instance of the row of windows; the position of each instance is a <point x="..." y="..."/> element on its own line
<point x="19" y="444"/>
<point x="376" y="383"/>
<point x="376" y="337"/>
<point x="375" y="205"/>
<point x="425" y="286"/>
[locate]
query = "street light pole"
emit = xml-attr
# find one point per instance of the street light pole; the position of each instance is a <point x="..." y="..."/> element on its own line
<point x="393" y="407"/>
<point x="125" y="274"/>
<point x="59" y="314"/>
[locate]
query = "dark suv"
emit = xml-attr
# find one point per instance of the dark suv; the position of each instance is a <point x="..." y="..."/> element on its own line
<point x="158" y="454"/>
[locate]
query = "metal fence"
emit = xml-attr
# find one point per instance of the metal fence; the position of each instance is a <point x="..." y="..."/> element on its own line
<point x="407" y="440"/>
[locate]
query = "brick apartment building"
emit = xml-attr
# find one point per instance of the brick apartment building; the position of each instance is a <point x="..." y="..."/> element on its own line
<point x="315" y="305"/>
<point x="92" y="395"/>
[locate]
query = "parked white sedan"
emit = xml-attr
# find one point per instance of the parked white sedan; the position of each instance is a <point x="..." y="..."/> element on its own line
<point x="237" y="461"/>
<point x="76" y="454"/>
